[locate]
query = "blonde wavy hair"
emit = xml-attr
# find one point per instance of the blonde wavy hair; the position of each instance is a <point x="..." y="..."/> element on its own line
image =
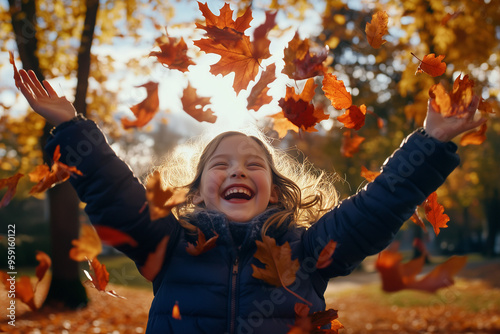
<point x="304" y="192"/>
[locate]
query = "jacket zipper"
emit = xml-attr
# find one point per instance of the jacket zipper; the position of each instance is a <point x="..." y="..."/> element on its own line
<point x="233" y="296"/>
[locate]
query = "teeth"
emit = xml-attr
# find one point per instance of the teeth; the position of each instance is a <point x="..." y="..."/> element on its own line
<point x="237" y="190"/>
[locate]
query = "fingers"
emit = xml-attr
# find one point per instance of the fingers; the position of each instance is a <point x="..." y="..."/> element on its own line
<point x="49" y="89"/>
<point x="36" y="86"/>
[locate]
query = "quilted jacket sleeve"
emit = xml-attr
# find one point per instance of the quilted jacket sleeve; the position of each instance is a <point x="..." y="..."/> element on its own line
<point x="365" y="223"/>
<point x="114" y="196"/>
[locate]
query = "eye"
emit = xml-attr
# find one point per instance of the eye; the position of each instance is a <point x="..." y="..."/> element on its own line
<point x="256" y="164"/>
<point x="219" y="164"/>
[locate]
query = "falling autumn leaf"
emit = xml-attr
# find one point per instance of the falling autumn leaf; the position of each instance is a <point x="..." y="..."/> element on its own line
<point x="100" y="279"/>
<point x="258" y="95"/>
<point x="145" y="110"/>
<point x="202" y="245"/>
<point x="432" y="65"/>
<point x="350" y="145"/>
<point x="44" y="263"/>
<point x="303" y="61"/>
<point x="160" y="200"/>
<point x="173" y="53"/>
<point x="87" y="246"/>
<point x="46" y="177"/>
<point x="397" y="276"/>
<point x="17" y="78"/>
<point x="474" y="137"/>
<point x="458" y="102"/>
<point x="114" y="237"/>
<point x="197" y="107"/>
<point x="368" y="174"/>
<point x="418" y="220"/>
<point x="280" y="270"/>
<point x="434" y="212"/>
<point x="335" y="91"/>
<point x="306" y="323"/>
<point x="238" y="53"/>
<point x="298" y="109"/>
<point x="325" y="256"/>
<point x="176" y="313"/>
<point x="154" y="261"/>
<point x="377" y="29"/>
<point x="11" y="184"/>
<point x="354" y="117"/>
<point x="281" y="124"/>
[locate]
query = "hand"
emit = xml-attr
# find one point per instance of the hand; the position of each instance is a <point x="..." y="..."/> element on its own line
<point x="44" y="99"/>
<point x="447" y="128"/>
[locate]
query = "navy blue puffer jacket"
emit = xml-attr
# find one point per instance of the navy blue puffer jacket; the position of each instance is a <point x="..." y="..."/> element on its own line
<point x="215" y="291"/>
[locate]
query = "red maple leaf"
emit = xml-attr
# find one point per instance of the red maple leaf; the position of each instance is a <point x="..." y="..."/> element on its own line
<point x="11" y="184"/>
<point x="354" y="117"/>
<point x="197" y="107"/>
<point x="173" y="53"/>
<point x="145" y="110"/>
<point x="226" y="38"/>
<point x="114" y="237"/>
<point x="46" y="177"/>
<point x="303" y="61"/>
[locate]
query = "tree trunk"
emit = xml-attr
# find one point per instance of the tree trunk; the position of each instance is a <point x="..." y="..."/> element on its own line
<point x="66" y="288"/>
<point x="492" y="210"/>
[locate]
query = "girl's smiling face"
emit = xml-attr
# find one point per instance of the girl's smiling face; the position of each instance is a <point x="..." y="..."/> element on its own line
<point x="237" y="180"/>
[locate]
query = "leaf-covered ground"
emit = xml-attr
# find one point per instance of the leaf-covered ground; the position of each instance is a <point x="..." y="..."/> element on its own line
<point x="472" y="305"/>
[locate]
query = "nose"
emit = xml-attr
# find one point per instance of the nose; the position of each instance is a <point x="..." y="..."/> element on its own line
<point x="238" y="172"/>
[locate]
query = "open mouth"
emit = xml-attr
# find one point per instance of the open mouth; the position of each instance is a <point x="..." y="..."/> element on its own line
<point x="237" y="192"/>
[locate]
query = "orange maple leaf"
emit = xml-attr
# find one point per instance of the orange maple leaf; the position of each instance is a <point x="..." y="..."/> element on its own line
<point x="161" y="200"/>
<point x="46" y="177"/>
<point x="458" y="102"/>
<point x="418" y="220"/>
<point x="434" y="212"/>
<point x="298" y="109"/>
<point x="303" y="61"/>
<point x="397" y="276"/>
<point x="145" y="110"/>
<point x="100" y="279"/>
<point x="280" y="270"/>
<point x="281" y="124"/>
<point x="325" y="256"/>
<point x="226" y="38"/>
<point x="202" y="245"/>
<point x="350" y="145"/>
<point x="196" y="106"/>
<point x="474" y="137"/>
<point x="258" y="95"/>
<point x="335" y="91"/>
<point x="44" y="263"/>
<point x="432" y="65"/>
<point x="376" y="30"/>
<point x="176" y="313"/>
<point x="11" y="184"/>
<point x="17" y="77"/>
<point x="368" y="174"/>
<point x="354" y="117"/>
<point x="87" y="246"/>
<point x="173" y="53"/>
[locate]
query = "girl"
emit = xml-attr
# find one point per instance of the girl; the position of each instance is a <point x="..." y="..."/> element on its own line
<point x="239" y="194"/>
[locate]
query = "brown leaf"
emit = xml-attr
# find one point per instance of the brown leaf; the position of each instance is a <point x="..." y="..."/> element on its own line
<point x="196" y="106"/>
<point x="458" y="102"/>
<point x="87" y="246"/>
<point x="47" y="178"/>
<point x="160" y="200"/>
<point x="145" y="110"/>
<point x="376" y="30"/>
<point x="173" y="53"/>
<point x="17" y="77"/>
<point x="100" y="279"/>
<point x="325" y="257"/>
<point x="44" y="263"/>
<point x="368" y="175"/>
<point x="202" y="245"/>
<point x="258" y="95"/>
<point x="303" y="61"/>
<point x="11" y="184"/>
<point x="432" y="65"/>
<point x="335" y="91"/>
